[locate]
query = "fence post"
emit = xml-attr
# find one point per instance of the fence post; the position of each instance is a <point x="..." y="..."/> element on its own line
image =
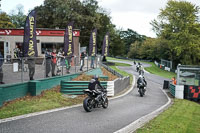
<point x="22" y="69"/>
<point x="87" y="62"/>
<point x="45" y="67"/>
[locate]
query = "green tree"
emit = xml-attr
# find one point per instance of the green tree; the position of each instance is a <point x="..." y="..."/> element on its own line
<point x="178" y="24"/>
<point x="86" y="15"/>
<point x="130" y="37"/>
<point x="17" y="17"/>
<point x="5" y="21"/>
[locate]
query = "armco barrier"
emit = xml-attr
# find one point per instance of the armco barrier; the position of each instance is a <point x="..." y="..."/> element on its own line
<point x="35" y="87"/>
<point x="76" y="87"/>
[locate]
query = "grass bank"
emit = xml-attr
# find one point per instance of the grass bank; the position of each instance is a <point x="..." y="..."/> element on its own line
<point x="49" y="99"/>
<point x="182" y="117"/>
<point x="114" y="67"/>
<point x="157" y="71"/>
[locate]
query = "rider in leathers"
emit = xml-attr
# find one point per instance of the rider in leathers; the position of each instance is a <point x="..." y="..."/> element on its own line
<point x="95" y="86"/>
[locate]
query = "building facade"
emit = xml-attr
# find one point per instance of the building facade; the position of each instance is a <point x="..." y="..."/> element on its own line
<point x="46" y="39"/>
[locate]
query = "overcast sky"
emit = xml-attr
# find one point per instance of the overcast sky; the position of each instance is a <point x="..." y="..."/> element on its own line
<point x="133" y="14"/>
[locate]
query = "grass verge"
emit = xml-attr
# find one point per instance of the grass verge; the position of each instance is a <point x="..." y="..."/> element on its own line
<point x="157" y="71"/>
<point x="49" y="99"/>
<point x="182" y="117"/>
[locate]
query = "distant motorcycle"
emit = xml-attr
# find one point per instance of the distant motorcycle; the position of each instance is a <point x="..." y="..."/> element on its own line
<point x="142" y="89"/>
<point x="91" y="101"/>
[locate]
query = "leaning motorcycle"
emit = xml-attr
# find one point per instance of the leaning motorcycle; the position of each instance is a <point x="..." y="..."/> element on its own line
<point x="141" y="90"/>
<point x="91" y="101"/>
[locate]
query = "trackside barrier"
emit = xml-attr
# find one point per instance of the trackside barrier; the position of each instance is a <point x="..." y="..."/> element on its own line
<point x="172" y="89"/>
<point x="111" y="70"/>
<point x="77" y="87"/>
<point x="35" y="87"/>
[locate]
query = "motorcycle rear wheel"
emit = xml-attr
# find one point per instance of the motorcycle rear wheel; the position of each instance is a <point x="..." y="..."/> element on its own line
<point x="141" y="92"/>
<point x="87" y="104"/>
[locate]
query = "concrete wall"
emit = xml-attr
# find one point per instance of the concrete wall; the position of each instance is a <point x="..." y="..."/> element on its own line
<point x="120" y="84"/>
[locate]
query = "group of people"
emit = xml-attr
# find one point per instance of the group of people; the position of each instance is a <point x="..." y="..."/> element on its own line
<point x="56" y="59"/>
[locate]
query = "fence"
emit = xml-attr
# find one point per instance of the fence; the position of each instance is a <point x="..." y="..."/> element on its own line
<point x="17" y="70"/>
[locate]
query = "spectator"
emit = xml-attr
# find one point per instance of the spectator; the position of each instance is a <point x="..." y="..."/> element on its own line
<point x="53" y="62"/>
<point x="82" y="60"/>
<point x="68" y="63"/>
<point x="1" y="68"/>
<point x="92" y="62"/>
<point x="31" y="67"/>
<point x="60" y="57"/>
<point x="174" y="80"/>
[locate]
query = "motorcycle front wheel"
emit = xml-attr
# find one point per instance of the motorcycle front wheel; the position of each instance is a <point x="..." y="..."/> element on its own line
<point x="105" y="103"/>
<point x="87" y="104"/>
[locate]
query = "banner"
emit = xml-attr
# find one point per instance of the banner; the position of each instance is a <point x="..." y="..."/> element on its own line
<point x="68" y="40"/>
<point x="30" y="43"/>
<point x="93" y="43"/>
<point x="105" y="49"/>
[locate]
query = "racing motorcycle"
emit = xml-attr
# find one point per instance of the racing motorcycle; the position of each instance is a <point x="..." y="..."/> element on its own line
<point x="142" y="89"/>
<point x="92" y="101"/>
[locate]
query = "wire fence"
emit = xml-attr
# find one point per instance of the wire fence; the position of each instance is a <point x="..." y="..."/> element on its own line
<point x="15" y="70"/>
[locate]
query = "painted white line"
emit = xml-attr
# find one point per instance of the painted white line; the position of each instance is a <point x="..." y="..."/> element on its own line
<point x="143" y="120"/>
<point x="36" y="113"/>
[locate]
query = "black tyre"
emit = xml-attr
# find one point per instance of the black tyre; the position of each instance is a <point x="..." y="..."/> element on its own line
<point x="105" y="103"/>
<point x="141" y="92"/>
<point x="87" y="104"/>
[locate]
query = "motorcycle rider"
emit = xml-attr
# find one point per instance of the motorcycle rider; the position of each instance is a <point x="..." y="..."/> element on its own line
<point x="95" y="86"/>
<point x="142" y="80"/>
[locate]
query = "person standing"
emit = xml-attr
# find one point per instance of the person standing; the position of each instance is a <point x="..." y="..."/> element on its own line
<point x="53" y="62"/>
<point x="92" y="62"/>
<point x="48" y="62"/>
<point x="82" y="60"/>
<point x="68" y="63"/>
<point x="60" y="57"/>
<point x="31" y="67"/>
<point x="1" y="68"/>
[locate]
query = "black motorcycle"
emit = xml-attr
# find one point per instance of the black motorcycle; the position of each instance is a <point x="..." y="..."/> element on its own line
<point x="142" y="89"/>
<point x="91" y="101"/>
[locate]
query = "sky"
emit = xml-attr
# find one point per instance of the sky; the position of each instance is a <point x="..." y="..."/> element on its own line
<point x="132" y="14"/>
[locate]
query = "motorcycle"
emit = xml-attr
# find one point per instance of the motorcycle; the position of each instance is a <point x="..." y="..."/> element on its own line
<point x="91" y="101"/>
<point x="142" y="89"/>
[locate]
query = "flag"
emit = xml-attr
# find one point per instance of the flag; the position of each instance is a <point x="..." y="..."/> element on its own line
<point x="93" y="43"/>
<point x="68" y="40"/>
<point x="30" y="43"/>
<point x="105" y="49"/>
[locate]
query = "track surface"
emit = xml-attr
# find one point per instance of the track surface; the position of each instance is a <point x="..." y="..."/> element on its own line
<point x="121" y="112"/>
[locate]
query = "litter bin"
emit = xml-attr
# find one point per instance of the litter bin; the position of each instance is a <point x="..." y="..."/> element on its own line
<point x="166" y="84"/>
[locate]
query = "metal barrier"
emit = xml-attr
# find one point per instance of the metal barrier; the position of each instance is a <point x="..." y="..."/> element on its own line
<point x="111" y="70"/>
<point x="76" y="87"/>
<point x="17" y="70"/>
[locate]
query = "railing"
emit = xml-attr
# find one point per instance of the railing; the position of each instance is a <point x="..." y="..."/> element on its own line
<point x="17" y="70"/>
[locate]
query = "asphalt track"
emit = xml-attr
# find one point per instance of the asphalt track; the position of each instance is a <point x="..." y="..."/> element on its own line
<point x="120" y="113"/>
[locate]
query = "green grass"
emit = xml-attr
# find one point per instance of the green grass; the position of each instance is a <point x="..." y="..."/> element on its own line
<point x="182" y="117"/>
<point x="50" y="99"/>
<point x="123" y="73"/>
<point x="156" y="70"/>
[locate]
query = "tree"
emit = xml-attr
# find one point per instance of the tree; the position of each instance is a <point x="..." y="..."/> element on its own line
<point x="178" y="24"/>
<point x="17" y="16"/>
<point x="5" y="21"/>
<point x="130" y="37"/>
<point x="86" y="15"/>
